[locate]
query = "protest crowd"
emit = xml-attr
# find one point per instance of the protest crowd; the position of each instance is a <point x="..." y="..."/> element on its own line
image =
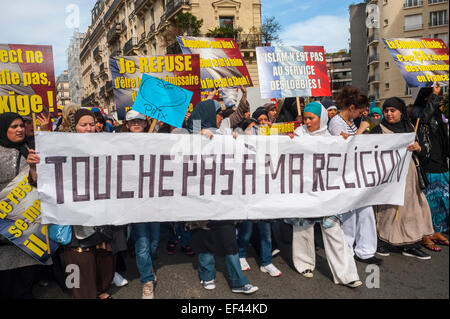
<point x="360" y="235"/>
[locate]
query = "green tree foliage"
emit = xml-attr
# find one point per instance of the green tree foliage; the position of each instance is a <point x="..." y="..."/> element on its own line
<point x="188" y="24"/>
<point x="224" y="32"/>
<point x="270" y="30"/>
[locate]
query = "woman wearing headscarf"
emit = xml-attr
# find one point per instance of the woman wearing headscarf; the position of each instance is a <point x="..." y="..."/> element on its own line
<point x="90" y="247"/>
<point x="210" y="238"/>
<point x="376" y="113"/>
<point x="338" y="253"/>
<point x="262" y="116"/>
<point x="289" y="110"/>
<point x="403" y="226"/>
<point x="17" y="268"/>
<point x="359" y="225"/>
<point x="271" y="109"/>
<point x="433" y="135"/>
<point x="68" y="112"/>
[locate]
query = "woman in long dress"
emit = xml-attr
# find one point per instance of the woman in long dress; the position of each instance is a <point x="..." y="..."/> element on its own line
<point x="403" y="226"/>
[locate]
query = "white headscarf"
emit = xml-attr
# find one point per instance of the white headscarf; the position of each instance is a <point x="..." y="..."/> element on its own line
<point x="323" y="129"/>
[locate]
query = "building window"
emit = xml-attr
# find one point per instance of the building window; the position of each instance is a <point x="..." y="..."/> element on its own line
<point x="413" y="22"/>
<point x="387" y="85"/>
<point x="438" y="18"/>
<point x="407" y="90"/>
<point x="442" y="36"/>
<point x="226" y="22"/>
<point x="386" y="65"/>
<point x="386" y="22"/>
<point x="412" y="3"/>
<point x="436" y="1"/>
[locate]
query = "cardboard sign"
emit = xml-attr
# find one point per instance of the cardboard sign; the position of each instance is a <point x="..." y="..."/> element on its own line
<point x="20" y="218"/>
<point x="162" y="100"/>
<point x="292" y="71"/>
<point x="27" y="79"/>
<point x="278" y="128"/>
<point x="181" y="70"/>
<point x="221" y="62"/>
<point x="422" y="62"/>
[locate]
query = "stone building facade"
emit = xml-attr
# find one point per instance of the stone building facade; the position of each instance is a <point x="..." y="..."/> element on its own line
<point x="145" y="27"/>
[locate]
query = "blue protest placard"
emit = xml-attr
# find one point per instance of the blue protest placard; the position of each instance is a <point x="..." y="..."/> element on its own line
<point x="162" y="100"/>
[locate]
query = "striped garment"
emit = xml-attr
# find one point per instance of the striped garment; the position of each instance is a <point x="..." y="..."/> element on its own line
<point x="338" y="124"/>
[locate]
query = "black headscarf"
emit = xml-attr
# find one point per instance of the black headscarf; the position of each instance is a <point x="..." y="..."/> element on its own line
<point x="5" y="121"/>
<point x="402" y="126"/>
<point x="260" y="111"/>
<point x="288" y="112"/>
<point x="205" y="112"/>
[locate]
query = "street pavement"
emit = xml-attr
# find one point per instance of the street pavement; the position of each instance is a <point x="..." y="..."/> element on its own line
<point x="400" y="277"/>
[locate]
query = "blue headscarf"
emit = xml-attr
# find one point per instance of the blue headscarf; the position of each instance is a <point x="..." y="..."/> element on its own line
<point x="376" y="110"/>
<point x="314" y="107"/>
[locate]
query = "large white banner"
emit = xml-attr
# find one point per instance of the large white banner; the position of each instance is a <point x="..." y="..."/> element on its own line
<point x="98" y="179"/>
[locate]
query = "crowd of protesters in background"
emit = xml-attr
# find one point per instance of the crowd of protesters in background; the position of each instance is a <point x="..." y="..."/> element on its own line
<point x="355" y="236"/>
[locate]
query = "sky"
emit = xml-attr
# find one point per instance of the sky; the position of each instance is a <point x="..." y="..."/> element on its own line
<point x="52" y="22"/>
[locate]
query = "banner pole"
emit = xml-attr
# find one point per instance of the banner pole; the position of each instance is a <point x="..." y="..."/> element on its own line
<point x="417" y="125"/>
<point x="46" y="238"/>
<point x="299" y="111"/>
<point x="34" y="121"/>
<point x="415" y="131"/>
<point x="153" y="125"/>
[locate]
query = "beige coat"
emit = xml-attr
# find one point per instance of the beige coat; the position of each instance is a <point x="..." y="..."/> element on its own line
<point x="412" y="221"/>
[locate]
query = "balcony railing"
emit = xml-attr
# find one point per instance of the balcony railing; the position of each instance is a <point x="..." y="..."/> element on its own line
<point x="438" y="23"/>
<point x="116" y="53"/>
<point x="413" y="27"/>
<point x="172" y="6"/>
<point x="96" y="53"/>
<point x="108" y="86"/>
<point x="143" y="35"/>
<point x="85" y="49"/>
<point x="372" y="38"/>
<point x="141" y="5"/>
<point x="103" y="68"/>
<point x="412" y="4"/>
<point x="114" y="33"/>
<point x="130" y="45"/>
<point x="88" y="100"/>
<point x="249" y="41"/>
<point x="111" y="9"/>
<point x="374" y="78"/>
<point x="373" y="59"/>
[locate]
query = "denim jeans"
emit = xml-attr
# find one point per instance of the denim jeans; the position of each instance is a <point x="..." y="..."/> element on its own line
<point x="245" y="232"/>
<point x="146" y="241"/>
<point x="207" y="269"/>
<point x="178" y="232"/>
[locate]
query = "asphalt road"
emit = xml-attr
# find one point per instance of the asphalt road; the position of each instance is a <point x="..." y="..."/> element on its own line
<point x="400" y="277"/>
